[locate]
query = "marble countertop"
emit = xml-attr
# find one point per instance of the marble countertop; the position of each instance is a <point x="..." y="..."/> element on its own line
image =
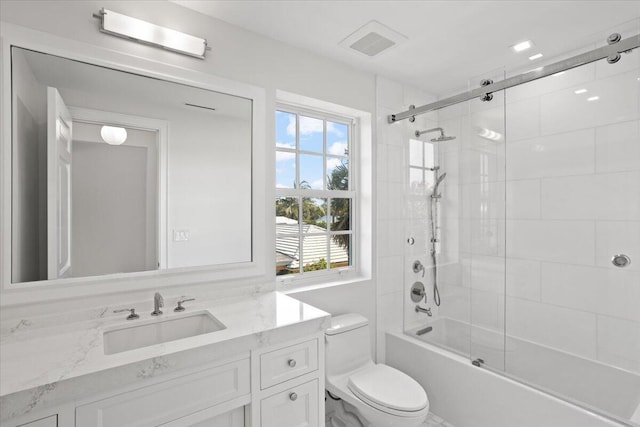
<point x="53" y="364"/>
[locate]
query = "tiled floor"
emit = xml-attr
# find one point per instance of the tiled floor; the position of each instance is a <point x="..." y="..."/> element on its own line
<point x="432" y="421"/>
<point x="435" y="421"/>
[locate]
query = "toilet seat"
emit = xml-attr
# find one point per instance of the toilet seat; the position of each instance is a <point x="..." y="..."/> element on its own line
<point x="388" y="390"/>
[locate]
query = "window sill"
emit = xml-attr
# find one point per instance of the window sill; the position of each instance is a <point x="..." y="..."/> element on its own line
<point x="292" y="288"/>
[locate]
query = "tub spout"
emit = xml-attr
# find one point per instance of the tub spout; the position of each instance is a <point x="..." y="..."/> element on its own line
<point x="423" y="310"/>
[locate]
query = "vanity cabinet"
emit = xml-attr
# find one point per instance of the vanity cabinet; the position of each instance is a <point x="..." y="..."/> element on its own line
<point x="166" y="401"/>
<point x="280" y="385"/>
<point x="290" y="389"/>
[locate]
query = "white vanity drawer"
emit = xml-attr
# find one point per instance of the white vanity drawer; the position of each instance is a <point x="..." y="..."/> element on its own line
<point x="169" y="400"/>
<point x="287" y="363"/>
<point x="296" y="407"/>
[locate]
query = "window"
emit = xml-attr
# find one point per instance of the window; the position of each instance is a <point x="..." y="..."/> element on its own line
<point x="315" y="198"/>
<point x="421" y="164"/>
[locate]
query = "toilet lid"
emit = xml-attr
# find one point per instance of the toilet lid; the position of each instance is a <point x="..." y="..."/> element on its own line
<point x="388" y="387"/>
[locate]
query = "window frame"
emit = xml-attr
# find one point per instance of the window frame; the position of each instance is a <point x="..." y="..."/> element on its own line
<point x="328" y="274"/>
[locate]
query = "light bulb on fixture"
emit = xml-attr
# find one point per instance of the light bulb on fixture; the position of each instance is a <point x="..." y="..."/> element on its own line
<point x="113" y="135"/>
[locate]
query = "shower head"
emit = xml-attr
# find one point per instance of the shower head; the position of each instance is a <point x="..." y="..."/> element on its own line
<point x="441" y="138"/>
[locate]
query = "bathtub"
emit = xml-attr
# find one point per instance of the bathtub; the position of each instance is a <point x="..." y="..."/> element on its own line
<point x="468" y="396"/>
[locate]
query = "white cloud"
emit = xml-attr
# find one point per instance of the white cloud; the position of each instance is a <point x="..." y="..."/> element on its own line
<point x="282" y="186"/>
<point x="309" y="125"/>
<point x="283" y="156"/>
<point x="338" y="148"/>
<point x="317" y="184"/>
<point x="331" y="128"/>
<point x="291" y="127"/>
<point x="332" y="163"/>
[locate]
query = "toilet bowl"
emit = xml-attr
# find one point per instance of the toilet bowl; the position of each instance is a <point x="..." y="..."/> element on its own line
<point x="361" y="392"/>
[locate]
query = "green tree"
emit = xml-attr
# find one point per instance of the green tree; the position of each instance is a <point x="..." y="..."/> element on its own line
<point x="340" y="207"/>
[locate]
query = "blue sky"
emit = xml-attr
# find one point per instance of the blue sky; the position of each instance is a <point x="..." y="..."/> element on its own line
<point x="310" y="140"/>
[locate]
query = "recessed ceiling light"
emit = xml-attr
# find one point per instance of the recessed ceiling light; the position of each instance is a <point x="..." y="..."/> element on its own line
<point x="558" y="74"/>
<point x="593" y="98"/>
<point x="579" y="91"/>
<point x="536" y="56"/>
<point x="522" y="46"/>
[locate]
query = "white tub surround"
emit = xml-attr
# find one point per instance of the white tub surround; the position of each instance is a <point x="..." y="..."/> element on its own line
<point x="45" y="366"/>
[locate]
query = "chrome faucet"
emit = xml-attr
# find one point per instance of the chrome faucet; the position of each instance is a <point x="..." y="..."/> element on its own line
<point x="158" y="302"/>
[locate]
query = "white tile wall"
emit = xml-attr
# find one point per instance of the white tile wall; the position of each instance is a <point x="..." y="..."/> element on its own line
<point x="618" y="237"/>
<point x="565" y="154"/>
<point x="565" y="111"/>
<point x="400" y="214"/>
<point x="565" y="329"/>
<point x="571" y="242"/>
<point x="611" y="196"/>
<point x="523" y="278"/>
<point x="617" y="147"/>
<point x="608" y="291"/>
<point x="619" y="342"/>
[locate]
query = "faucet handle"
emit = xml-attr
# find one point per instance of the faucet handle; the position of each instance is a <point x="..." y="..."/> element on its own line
<point x="132" y="315"/>
<point x="182" y="300"/>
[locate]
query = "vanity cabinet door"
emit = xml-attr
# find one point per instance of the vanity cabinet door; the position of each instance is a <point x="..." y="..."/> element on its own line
<point x="234" y="418"/>
<point x="295" y="407"/>
<point x="169" y="400"/>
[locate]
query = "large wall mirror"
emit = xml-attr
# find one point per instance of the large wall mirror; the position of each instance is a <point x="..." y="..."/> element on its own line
<point x="114" y="172"/>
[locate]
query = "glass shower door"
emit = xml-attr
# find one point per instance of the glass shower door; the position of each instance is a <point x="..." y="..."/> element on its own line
<point x="483" y="201"/>
<point x="572" y="193"/>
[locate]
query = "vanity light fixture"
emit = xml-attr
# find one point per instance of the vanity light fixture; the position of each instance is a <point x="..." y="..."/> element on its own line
<point x="124" y="26"/>
<point x="113" y="135"/>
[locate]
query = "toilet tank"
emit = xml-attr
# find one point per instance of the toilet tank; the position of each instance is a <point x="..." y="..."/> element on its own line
<point x="348" y="344"/>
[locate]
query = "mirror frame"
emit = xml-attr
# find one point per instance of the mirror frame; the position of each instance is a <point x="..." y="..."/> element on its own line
<point x="58" y="289"/>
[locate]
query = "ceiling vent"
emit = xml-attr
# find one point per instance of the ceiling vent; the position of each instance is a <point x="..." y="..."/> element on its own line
<point x="373" y="38"/>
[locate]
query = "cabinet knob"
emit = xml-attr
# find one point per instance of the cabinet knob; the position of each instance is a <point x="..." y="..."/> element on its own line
<point x="292" y="363"/>
<point x="293" y="396"/>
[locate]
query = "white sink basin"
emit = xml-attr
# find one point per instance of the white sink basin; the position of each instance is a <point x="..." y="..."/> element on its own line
<point x="157" y="331"/>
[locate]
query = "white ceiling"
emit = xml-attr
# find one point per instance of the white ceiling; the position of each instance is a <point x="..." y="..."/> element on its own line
<point x="449" y="42"/>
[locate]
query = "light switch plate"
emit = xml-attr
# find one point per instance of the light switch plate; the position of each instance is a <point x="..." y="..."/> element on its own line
<point x="180" y="235"/>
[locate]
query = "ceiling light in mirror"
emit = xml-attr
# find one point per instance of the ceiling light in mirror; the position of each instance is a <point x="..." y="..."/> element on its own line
<point x="113" y="135"/>
<point x="522" y="46"/>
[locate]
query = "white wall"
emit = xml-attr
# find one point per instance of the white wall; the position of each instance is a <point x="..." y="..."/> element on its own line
<point x="28" y="205"/>
<point x="236" y="54"/>
<point x="112" y="189"/>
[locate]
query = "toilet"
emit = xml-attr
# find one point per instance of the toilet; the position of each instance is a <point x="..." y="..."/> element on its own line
<point x="361" y="393"/>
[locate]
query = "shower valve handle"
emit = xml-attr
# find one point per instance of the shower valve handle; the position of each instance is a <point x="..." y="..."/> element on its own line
<point x="417" y="266"/>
